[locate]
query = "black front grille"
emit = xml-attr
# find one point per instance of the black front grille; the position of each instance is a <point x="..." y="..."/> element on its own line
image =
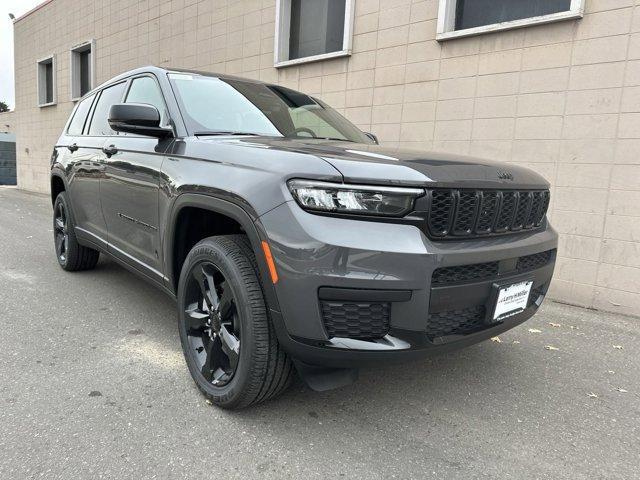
<point x="464" y="273"/>
<point x="456" y="322"/>
<point x="362" y="320"/>
<point x="462" y="213"/>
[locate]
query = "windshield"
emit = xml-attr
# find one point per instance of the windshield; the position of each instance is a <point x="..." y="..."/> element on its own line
<point x="213" y="105"/>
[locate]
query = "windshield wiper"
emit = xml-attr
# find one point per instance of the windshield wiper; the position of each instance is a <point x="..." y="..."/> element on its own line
<point x="223" y="132"/>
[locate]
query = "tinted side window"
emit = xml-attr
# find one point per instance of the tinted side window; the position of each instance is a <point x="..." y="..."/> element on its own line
<point x="146" y="90"/>
<point x="109" y="96"/>
<point x="77" y="122"/>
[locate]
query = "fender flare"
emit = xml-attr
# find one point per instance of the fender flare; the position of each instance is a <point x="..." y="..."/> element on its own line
<point x="59" y="173"/>
<point x="253" y="229"/>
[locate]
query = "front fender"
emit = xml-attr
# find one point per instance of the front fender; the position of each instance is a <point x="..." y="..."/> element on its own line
<point x="252" y="227"/>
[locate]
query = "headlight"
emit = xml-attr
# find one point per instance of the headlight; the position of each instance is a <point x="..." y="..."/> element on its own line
<point x="354" y="199"/>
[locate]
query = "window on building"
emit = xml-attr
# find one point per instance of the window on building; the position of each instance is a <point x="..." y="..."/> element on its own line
<point x="76" y="127"/>
<point x="457" y="18"/>
<point x="100" y="119"/>
<point x="146" y="90"/>
<point x="47" y="81"/>
<point x="82" y="69"/>
<point x="310" y="30"/>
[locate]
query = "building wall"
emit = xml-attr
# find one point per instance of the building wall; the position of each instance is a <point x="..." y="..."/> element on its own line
<point x="563" y="99"/>
<point x="7" y="122"/>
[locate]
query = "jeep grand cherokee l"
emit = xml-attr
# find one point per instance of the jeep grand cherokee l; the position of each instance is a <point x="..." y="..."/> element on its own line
<point x="287" y="236"/>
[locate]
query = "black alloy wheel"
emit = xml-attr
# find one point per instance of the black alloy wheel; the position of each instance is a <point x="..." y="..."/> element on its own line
<point x="229" y="343"/>
<point x="212" y="324"/>
<point x="70" y="254"/>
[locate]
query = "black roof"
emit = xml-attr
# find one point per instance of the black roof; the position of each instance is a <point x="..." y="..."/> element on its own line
<point x="164" y="70"/>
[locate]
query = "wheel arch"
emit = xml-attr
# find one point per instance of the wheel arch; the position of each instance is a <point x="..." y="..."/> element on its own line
<point x="215" y="205"/>
<point x="57" y="184"/>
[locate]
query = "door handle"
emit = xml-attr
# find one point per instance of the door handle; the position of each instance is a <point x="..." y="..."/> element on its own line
<point x="73" y="147"/>
<point x="110" y="150"/>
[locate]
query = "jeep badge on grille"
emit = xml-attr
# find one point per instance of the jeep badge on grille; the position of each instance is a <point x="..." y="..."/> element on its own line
<point x="503" y="175"/>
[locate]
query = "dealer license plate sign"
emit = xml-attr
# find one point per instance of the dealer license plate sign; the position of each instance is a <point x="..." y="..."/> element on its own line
<point x="512" y="299"/>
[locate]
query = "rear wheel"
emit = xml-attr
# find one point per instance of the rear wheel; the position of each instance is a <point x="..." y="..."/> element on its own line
<point x="229" y="343"/>
<point x="71" y="255"/>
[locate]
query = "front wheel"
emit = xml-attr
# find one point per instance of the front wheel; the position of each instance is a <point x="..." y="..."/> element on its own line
<point x="229" y="343"/>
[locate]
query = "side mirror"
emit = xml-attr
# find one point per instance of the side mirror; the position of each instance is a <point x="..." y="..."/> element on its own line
<point x="137" y="118"/>
<point x="372" y="137"/>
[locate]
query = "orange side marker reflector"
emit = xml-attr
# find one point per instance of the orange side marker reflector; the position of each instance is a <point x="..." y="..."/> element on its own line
<point x="270" y="263"/>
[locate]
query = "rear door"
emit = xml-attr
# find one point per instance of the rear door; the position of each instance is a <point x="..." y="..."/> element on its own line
<point x="82" y="160"/>
<point x="130" y="186"/>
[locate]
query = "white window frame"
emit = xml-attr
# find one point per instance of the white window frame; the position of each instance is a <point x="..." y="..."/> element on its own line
<point x="74" y="66"/>
<point x="447" y="19"/>
<point x="41" y="88"/>
<point x="283" y="29"/>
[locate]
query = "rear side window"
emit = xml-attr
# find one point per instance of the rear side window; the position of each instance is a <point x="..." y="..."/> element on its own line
<point x="146" y="90"/>
<point x="108" y="97"/>
<point x="79" y="117"/>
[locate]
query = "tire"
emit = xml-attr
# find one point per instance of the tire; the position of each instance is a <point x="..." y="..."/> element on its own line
<point x="228" y="340"/>
<point x="70" y="254"/>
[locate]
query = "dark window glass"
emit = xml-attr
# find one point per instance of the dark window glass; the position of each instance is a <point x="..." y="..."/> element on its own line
<point x="85" y="71"/>
<point x="216" y="104"/>
<point x="48" y="82"/>
<point x="317" y="26"/>
<point x="475" y="13"/>
<point x="99" y="122"/>
<point x="77" y="123"/>
<point x="146" y="90"/>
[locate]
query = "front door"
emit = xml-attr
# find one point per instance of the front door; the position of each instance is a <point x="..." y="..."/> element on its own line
<point x="130" y="187"/>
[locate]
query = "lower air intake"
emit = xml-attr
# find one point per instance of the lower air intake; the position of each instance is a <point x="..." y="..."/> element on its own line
<point x="362" y="320"/>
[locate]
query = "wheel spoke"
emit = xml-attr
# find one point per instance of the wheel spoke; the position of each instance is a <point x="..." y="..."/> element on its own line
<point x="60" y="224"/>
<point x="209" y="365"/>
<point x="226" y="305"/>
<point x="230" y="346"/>
<point x="207" y="287"/>
<point x="196" y="320"/>
<point x="60" y="243"/>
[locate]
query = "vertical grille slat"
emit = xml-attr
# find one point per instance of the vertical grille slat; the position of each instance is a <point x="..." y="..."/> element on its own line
<point x="522" y="210"/>
<point x="467" y="213"/>
<point x="487" y="212"/>
<point x="465" y="217"/>
<point x="441" y="212"/>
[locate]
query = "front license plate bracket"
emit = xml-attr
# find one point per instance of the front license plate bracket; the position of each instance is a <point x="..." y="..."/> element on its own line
<point x="508" y="300"/>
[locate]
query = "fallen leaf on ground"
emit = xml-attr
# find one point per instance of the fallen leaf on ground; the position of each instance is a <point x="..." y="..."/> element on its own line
<point x="496" y="339"/>
<point x="534" y="330"/>
<point x="556" y="325"/>
<point x="550" y="347"/>
<point x="592" y="395"/>
<point x="516" y="342"/>
<point x="618" y="347"/>
<point x="610" y="371"/>
<point x="209" y="402"/>
<point x="573" y="327"/>
<point x="622" y="390"/>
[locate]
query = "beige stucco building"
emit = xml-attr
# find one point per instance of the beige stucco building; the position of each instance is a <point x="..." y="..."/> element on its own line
<point x="560" y="93"/>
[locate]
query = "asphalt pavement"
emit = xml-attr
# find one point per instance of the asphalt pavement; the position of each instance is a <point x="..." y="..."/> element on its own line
<point x="93" y="384"/>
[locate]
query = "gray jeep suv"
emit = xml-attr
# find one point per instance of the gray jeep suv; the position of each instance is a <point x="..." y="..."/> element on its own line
<point x="287" y="236"/>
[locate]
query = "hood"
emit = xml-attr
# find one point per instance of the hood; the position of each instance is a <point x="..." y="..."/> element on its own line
<point x="374" y="164"/>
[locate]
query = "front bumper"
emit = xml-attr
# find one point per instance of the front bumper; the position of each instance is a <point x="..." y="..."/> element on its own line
<point x="314" y="252"/>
